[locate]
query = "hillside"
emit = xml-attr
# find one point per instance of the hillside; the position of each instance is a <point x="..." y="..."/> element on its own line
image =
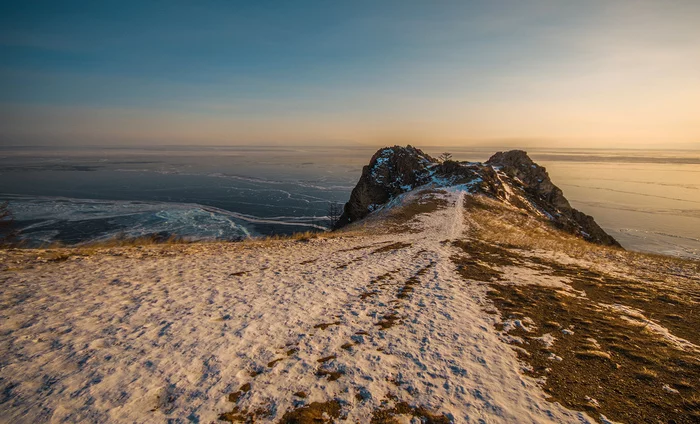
<point x="455" y="292"/>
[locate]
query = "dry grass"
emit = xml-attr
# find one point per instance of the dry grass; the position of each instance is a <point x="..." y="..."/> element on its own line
<point x="493" y="222"/>
<point x="592" y="354"/>
<point x="604" y="357"/>
<point x="57" y="252"/>
<point x="403" y="409"/>
<point x="398" y="219"/>
<point x="17" y="258"/>
<point x="120" y="244"/>
<point x="315" y="412"/>
<point x="426" y="202"/>
<point x="391" y="247"/>
<point x="121" y="241"/>
<point x="305" y="236"/>
<point x="646" y="374"/>
<point x="273" y="240"/>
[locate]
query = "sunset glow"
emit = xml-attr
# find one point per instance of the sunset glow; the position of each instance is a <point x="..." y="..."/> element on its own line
<point x="566" y="74"/>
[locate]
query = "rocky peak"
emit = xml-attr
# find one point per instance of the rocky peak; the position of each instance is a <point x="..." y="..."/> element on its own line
<point x="391" y="171"/>
<point x="511" y="177"/>
<point x="397" y="167"/>
<point x="517" y="164"/>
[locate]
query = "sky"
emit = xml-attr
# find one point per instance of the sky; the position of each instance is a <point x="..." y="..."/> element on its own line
<point x="513" y="73"/>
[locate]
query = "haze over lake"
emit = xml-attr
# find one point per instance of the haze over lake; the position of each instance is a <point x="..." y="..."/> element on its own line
<point x="648" y="200"/>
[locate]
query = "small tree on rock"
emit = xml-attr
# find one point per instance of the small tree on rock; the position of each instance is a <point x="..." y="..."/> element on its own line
<point x="444" y="157"/>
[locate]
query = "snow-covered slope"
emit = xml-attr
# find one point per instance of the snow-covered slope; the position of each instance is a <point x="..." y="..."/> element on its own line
<point x="152" y="337"/>
<point x="375" y="325"/>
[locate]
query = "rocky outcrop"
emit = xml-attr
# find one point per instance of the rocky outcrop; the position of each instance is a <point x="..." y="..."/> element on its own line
<point x="517" y="164"/>
<point x="542" y="192"/>
<point x="511" y="177"/>
<point x="391" y="171"/>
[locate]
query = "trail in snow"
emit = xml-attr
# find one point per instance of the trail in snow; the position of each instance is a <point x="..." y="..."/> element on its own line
<point x="362" y="320"/>
<point x="458" y="222"/>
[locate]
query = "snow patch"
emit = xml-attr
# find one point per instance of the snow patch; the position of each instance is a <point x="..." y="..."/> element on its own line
<point x="635" y="316"/>
<point x="546" y="339"/>
<point x="669" y="389"/>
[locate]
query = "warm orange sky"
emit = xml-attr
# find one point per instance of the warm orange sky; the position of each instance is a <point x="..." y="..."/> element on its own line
<point x="537" y="73"/>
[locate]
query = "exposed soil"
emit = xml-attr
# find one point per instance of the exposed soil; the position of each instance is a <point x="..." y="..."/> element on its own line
<point x="233" y="397"/>
<point x="391" y="247"/>
<point x="367" y="246"/>
<point x="472" y="269"/>
<point x="593" y="356"/>
<point x="676" y="307"/>
<point x="389" y="415"/>
<point x="274" y="362"/>
<point x="313" y="413"/>
<point x="256" y="372"/>
<point x="481" y="261"/>
<point x="677" y="310"/>
<point x="489" y="253"/>
<point x="238" y="415"/>
<point x="388" y="320"/>
<point x="404" y="292"/>
<point x="367" y="294"/>
<point x="600" y="362"/>
<point x="332" y="375"/>
<point x="399" y="218"/>
<point x="323" y="326"/>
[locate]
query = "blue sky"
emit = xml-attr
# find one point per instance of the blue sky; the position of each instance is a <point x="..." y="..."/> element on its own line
<point x="436" y="72"/>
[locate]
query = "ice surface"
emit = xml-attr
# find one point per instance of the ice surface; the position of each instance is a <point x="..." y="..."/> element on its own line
<point x="48" y="219"/>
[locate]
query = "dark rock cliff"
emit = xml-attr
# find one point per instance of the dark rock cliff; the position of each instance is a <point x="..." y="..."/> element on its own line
<point x="511" y="177"/>
<point x="391" y="171"/>
<point x="541" y="191"/>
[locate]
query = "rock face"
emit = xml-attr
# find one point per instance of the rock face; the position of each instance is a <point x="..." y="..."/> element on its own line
<point x="391" y="171"/>
<point x="517" y="164"/>
<point x="541" y="191"/>
<point x="511" y="177"/>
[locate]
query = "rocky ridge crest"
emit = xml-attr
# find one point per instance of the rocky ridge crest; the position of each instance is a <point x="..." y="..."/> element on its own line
<point x="511" y="177"/>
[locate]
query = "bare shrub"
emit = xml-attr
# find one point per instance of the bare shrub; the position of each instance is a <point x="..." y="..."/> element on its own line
<point x="494" y="222"/>
<point x="8" y="230"/>
<point x="445" y="157"/>
<point x="335" y="210"/>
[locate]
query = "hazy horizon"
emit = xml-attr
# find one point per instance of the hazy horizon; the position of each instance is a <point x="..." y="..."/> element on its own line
<point x="518" y="74"/>
<point x="647" y="199"/>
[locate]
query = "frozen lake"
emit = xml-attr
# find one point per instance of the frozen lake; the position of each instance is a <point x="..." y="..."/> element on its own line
<point x="648" y="200"/>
